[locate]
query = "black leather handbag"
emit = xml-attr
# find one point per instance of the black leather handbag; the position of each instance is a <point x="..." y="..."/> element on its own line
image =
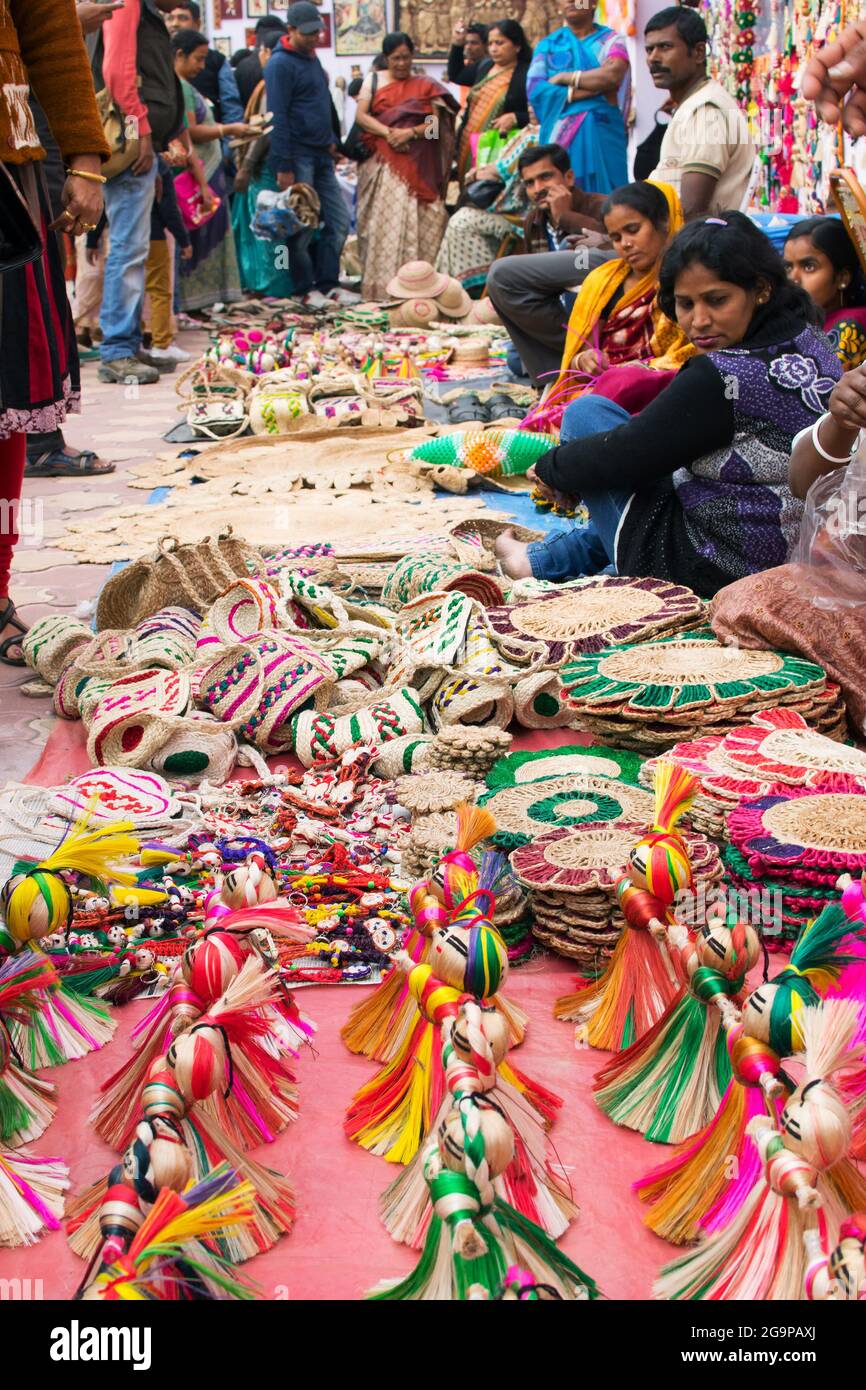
<point x="20" y="237"/>
<point x="355" y="146"/>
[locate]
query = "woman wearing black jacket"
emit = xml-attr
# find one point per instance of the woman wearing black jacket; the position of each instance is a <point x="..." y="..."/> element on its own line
<point x="498" y="100"/>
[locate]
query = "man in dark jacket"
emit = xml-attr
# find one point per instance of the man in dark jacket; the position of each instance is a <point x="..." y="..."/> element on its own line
<point x="303" y="150"/>
<point x="564" y="239"/>
<point x="467" y="58"/>
<point x="248" y="70"/>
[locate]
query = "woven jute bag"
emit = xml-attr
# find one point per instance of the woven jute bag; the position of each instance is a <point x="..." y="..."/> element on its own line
<point x="183" y="575"/>
<point x="50" y="644"/>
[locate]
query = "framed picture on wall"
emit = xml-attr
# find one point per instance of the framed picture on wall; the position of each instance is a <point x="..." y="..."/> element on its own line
<point x="325" y="40"/>
<point x="279" y="5"/>
<point x="224" y="10"/>
<point x="223" y="46"/>
<point x="359" y="27"/>
<point x="257" y="9"/>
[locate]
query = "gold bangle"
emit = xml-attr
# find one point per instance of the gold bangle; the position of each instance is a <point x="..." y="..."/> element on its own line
<point x="86" y="174"/>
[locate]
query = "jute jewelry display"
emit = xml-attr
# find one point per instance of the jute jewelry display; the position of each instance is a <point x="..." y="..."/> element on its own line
<point x="599" y="613"/>
<point x="524" y="813"/>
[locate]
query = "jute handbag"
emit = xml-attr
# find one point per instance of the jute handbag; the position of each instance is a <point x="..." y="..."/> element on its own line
<point x="176" y="576"/>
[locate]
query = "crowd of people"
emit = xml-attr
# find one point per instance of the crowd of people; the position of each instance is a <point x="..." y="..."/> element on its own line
<point x="680" y="359"/>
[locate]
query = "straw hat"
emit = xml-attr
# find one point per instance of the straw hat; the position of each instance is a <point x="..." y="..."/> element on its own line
<point x="454" y="301"/>
<point x="414" y="313"/>
<point x="417" y="278"/>
<point x="470" y="350"/>
<point x="483" y="311"/>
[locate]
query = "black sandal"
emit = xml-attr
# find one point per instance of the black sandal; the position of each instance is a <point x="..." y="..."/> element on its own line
<point x="468" y="409"/>
<point x="10" y="618"/>
<point x="58" y="464"/>
<point x="502" y="407"/>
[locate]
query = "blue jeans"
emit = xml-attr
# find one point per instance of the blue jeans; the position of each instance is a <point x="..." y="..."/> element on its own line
<point x="128" y="203"/>
<point x="315" y="263"/>
<point x="586" y="549"/>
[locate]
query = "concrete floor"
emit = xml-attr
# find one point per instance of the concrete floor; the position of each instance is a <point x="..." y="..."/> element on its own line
<point x="123" y="427"/>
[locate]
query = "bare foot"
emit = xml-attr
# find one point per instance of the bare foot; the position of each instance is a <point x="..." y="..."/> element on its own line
<point x="512" y="556"/>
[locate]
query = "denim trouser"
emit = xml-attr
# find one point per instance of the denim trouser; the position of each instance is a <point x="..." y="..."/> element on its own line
<point x="584" y="549"/>
<point x="315" y="264"/>
<point x="128" y="202"/>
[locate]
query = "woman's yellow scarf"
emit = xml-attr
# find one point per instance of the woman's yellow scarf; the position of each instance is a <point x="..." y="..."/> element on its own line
<point x="669" y="342"/>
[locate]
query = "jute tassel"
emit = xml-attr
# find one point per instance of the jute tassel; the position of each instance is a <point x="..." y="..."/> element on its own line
<point x="379" y="1026"/>
<point x="760" y="1251"/>
<point x="172" y="1142"/>
<point x="263" y="1097"/>
<point x="639" y="983"/>
<point x="475" y="1239"/>
<point x="170" y="1253"/>
<point x="706" y="1180"/>
<point x="31" y="1196"/>
<point x="392" y="1113"/>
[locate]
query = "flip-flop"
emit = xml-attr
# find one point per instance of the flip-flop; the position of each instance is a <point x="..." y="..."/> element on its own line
<point x="467" y="409"/>
<point x="10" y="618"/>
<point x="58" y="464"/>
<point x="502" y="407"/>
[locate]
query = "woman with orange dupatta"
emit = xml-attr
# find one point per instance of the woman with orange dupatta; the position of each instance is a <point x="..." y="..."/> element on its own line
<point x="616" y="321"/>
<point x="409" y="129"/>
<point x="498" y="99"/>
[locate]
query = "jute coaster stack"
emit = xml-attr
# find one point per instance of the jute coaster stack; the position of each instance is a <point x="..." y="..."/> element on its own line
<point x="776" y="748"/>
<point x="428" y="792"/>
<point x="789" y="847"/>
<point x="561" y="624"/>
<point x="654" y="694"/>
<point x="468" y="749"/>
<point x="572" y="874"/>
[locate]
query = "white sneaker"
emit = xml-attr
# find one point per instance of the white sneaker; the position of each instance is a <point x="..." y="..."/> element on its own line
<point x="176" y="353"/>
<point x="316" y="300"/>
<point x="344" y="297"/>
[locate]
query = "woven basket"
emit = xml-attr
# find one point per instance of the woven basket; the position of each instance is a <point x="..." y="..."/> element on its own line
<point x="464" y="701"/>
<point x="401" y="756"/>
<point x="178" y="575"/>
<point x="50" y="643"/>
<point x="71" y="689"/>
<point x="538" y="702"/>
<point x="322" y="736"/>
<point x="257" y="687"/>
<point x="421" y="573"/>
<point x="128" y="725"/>
<point x="247" y="606"/>
<point x="196" y="748"/>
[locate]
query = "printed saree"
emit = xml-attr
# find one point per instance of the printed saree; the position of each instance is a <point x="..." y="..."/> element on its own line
<point x="591" y="129"/>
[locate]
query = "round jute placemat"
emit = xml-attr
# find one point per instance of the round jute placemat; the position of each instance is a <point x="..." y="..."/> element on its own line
<point x="803" y="828"/>
<point x="685" y="677"/>
<point x="594" y="856"/>
<point x="523" y="813"/>
<point x="516" y="769"/>
<point x="602" y="612"/>
<point x="428" y="792"/>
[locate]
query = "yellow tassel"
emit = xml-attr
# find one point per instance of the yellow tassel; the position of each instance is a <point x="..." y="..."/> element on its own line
<point x="93" y="851"/>
<point x="674" y="790"/>
<point x="122" y="896"/>
<point x="474" y="823"/>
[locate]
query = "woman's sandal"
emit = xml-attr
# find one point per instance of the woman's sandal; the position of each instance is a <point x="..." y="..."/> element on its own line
<point x="467" y="409"/>
<point x="84" y="463"/>
<point x="502" y="407"/>
<point x="10" y="618"/>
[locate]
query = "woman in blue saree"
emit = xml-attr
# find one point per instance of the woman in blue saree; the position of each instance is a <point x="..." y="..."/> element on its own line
<point x="579" y="86"/>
